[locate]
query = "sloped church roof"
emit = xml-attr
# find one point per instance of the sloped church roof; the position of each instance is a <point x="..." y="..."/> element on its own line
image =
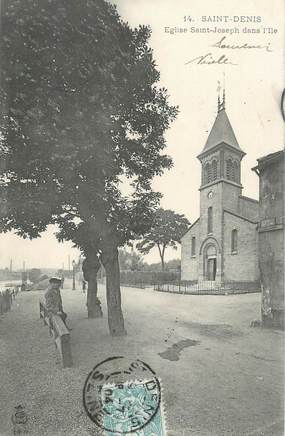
<point x="222" y="131"/>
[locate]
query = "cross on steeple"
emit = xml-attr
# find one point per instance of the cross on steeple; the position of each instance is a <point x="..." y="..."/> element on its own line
<point x="221" y="131"/>
<point x="221" y="104"/>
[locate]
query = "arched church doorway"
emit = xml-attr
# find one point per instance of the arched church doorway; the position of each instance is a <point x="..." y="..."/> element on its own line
<point x="210" y="262"/>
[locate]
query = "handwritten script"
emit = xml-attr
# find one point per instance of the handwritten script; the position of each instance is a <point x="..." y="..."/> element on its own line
<point x="223" y="44"/>
<point x="210" y="59"/>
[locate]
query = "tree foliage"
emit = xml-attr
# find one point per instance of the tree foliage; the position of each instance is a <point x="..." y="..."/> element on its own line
<point x="166" y="231"/>
<point x="82" y="109"/>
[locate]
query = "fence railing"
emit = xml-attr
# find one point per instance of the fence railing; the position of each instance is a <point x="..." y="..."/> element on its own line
<point x="209" y="287"/>
<point x="143" y="279"/>
<point x="60" y="334"/>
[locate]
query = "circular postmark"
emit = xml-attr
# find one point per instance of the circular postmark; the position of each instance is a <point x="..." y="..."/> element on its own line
<point x="121" y="395"/>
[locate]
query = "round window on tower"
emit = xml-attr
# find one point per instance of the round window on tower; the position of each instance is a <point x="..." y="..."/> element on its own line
<point x="210" y="194"/>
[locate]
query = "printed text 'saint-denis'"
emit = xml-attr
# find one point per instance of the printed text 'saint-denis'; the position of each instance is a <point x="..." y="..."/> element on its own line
<point x="229" y="18"/>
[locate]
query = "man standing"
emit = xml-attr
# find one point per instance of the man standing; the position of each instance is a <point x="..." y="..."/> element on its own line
<point x="53" y="298"/>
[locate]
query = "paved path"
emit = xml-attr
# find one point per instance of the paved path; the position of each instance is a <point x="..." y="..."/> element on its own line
<point x="220" y="377"/>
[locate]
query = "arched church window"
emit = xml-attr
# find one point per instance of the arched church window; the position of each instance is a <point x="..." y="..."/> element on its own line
<point x="204" y="175"/>
<point x="229" y="165"/>
<point x="233" y="172"/>
<point x="236" y="172"/>
<point x="208" y="173"/>
<point x="214" y="169"/>
<point x="193" y="246"/>
<point x="210" y="219"/>
<point x="234" y="240"/>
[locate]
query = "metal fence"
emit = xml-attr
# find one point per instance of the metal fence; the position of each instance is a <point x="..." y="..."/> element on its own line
<point x="208" y="287"/>
<point x="143" y="279"/>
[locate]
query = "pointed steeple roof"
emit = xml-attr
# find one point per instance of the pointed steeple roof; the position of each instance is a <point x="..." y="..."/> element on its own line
<point x="221" y="131"/>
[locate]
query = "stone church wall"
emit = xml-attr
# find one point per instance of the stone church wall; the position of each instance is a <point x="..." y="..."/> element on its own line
<point x="231" y="195"/>
<point x="249" y="208"/>
<point x="216" y="203"/>
<point x="189" y="263"/>
<point x="243" y="265"/>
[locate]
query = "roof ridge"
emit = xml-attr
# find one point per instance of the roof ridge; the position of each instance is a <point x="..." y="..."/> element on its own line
<point x="240" y="216"/>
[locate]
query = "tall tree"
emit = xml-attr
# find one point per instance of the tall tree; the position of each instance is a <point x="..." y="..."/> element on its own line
<point x="83" y="109"/>
<point x="166" y="231"/>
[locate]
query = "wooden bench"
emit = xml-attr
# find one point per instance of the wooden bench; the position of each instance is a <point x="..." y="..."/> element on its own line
<point x="60" y="333"/>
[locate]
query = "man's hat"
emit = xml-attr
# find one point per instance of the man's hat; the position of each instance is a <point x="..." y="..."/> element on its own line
<point x="55" y="280"/>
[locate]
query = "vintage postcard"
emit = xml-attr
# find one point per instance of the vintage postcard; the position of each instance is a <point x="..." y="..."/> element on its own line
<point x="142" y="217"/>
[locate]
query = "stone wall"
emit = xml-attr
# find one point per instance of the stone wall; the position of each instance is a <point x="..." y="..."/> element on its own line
<point x="271" y="238"/>
<point x="271" y="259"/>
<point x="189" y="263"/>
<point x="216" y="203"/>
<point x="249" y="208"/>
<point x="231" y="194"/>
<point x="242" y="265"/>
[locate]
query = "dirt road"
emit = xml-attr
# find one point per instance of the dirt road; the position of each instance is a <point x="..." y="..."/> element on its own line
<point x="219" y="375"/>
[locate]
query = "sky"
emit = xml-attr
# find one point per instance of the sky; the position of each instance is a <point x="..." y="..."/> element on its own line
<point x="253" y="89"/>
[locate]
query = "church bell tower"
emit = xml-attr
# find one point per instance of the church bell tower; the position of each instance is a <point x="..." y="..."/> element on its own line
<point x="220" y="189"/>
<point x="221" y="156"/>
<point x="219" y="250"/>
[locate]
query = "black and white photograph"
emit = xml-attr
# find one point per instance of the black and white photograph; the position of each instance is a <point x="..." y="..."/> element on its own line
<point x="142" y="217"/>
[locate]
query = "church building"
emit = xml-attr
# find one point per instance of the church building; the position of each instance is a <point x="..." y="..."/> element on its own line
<point x="221" y="245"/>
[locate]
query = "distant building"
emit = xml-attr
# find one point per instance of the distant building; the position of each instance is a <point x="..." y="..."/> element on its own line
<point x="221" y="245"/>
<point x="271" y="172"/>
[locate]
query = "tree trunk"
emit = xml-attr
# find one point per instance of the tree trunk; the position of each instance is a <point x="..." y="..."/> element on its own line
<point x="93" y="303"/>
<point x="109" y="258"/>
<point x="162" y="258"/>
<point x="161" y="254"/>
<point x="90" y="267"/>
